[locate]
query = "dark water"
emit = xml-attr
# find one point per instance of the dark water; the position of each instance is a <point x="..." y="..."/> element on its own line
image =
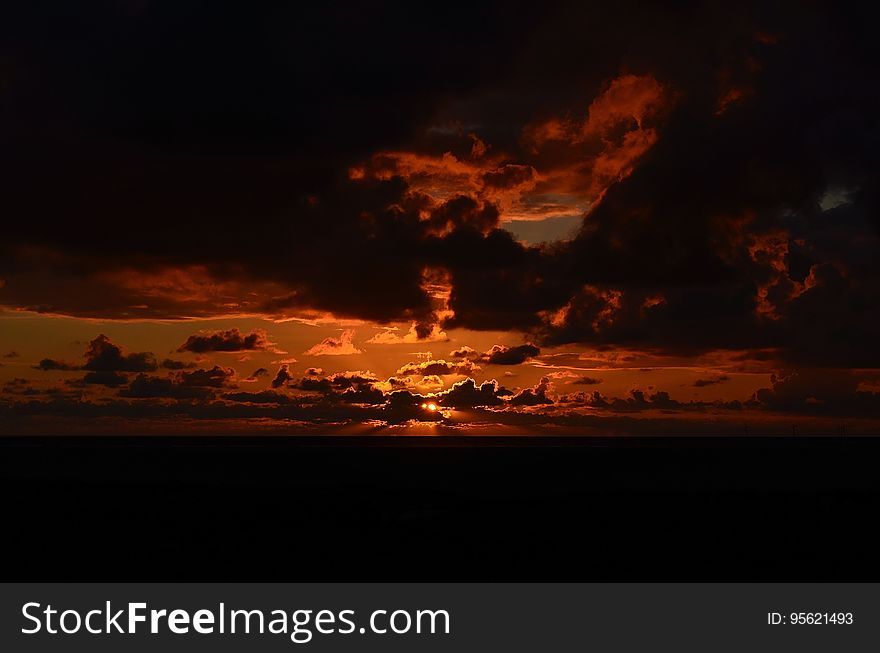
<point x="493" y="508"/>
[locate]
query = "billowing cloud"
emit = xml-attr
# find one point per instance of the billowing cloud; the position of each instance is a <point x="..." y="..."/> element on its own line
<point x="198" y="384"/>
<point x="533" y="396"/>
<point x="468" y="394"/>
<point x="104" y="356"/>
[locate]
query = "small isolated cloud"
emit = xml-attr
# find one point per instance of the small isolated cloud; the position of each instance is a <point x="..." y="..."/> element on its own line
<point x="504" y="355"/>
<point x="257" y="374"/>
<point x="11" y="354"/>
<point x="50" y="364"/>
<point x="430" y="383"/>
<point x="282" y="377"/>
<point x="341" y="346"/>
<point x="230" y="340"/>
<point x="587" y="380"/>
<point x="464" y="352"/>
<point x="216" y="377"/>
<point x="702" y="383"/>
<point x="562" y="374"/>
<point x="415" y="334"/>
<point x="423" y="355"/>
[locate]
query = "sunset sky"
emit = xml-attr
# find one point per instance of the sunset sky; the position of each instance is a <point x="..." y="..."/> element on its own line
<point x="556" y="217"/>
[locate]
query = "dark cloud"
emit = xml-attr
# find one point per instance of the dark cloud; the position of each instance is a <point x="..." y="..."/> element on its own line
<point x="230" y="340"/>
<point x="533" y="396"/>
<point x="11" y="354"/>
<point x="509" y="175"/>
<point x="355" y="381"/>
<point x="503" y="355"/>
<point x="171" y="364"/>
<point x="282" y="376"/>
<point x="49" y="364"/>
<point x="732" y="177"/>
<point x="403" y="406"/>
<point x="638" y="401"/>
<point x="586" y="380"/>
<point x="263" y="397"/>
<point x="199" y="384"/>
<point x="715" y="380"/>
<point x="145" y="386"/>
<point x="467" y="394"/>
<point x="463" y="212"/>
<point x="167" y="415"/>
<point x="465" y="404"/>
<point x="364" y="395"/>
<point x="257" y="374"/>
<point x="818" y="392"/>
<point x="216" y="377"/>
<point x="19" y="386"/>
<point x="109" y="379"/>
<point x="104" y="356"/>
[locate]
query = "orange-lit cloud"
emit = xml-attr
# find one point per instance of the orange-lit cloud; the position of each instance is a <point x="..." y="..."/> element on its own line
<point x="341" y="346"/>
<point x="620" y="126"/>
<point x="389" y="336"/>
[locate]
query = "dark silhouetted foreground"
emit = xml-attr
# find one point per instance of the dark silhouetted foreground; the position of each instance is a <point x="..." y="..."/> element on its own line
<point x="474" y="509"/>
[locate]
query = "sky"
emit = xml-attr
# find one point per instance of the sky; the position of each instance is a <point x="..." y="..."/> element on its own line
<point x="495" y="217"/>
